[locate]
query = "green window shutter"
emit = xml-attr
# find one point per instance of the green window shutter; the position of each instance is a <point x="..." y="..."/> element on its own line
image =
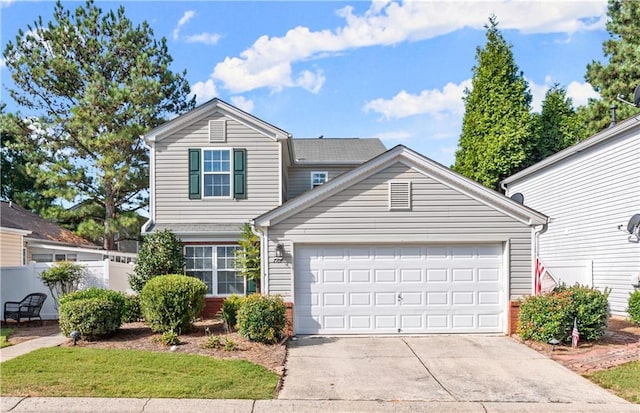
<point x="194" y="174"/>
<point x="239" y="173"/>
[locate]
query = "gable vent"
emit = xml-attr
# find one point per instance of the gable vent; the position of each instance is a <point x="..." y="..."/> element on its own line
<point x="399" y="195"/>
<point x="218" y="130"/>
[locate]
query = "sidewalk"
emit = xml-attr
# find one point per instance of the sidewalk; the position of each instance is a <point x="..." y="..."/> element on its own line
<point x="25" y="347"/>
<point x="90" y="405"/>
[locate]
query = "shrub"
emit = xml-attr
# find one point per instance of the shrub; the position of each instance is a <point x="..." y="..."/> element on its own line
<point x="262" y="318"/>
<point x="548" y="316"/>
<point x="63" y="278"/>
<point x="229" y="311"/>
<point x="230" y="345"/>
<point x="172" y="302"/>
<point x="634" y="306"/>
<point x="93" y="312"/>
<point x="131" y="312"/>
<point x="169" y="338"/>
<point x="213" y="342"/>
<point x="160" y="254"/>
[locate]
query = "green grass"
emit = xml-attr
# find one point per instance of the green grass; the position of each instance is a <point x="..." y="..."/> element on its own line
<point x="5" y="332"/>
<point x="623" y="380"/>
<point x="87" y="372"/>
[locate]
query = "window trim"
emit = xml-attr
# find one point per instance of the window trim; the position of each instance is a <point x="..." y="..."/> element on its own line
<point x="326" y="178"/>
<point x="228" y="173"/>
<point x="214" y="267"/>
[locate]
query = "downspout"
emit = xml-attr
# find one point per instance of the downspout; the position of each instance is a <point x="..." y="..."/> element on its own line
<point x="537" y="231"/>
<point x="150" y="144"/>
<point x="264" y="256"/>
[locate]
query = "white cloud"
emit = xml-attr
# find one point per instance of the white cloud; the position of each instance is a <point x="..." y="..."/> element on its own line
<point x="538" y="92"/>
<point x="434" y="102"/>
<point x="394" y="136"/>
<point x="204" y="37"/>
<point x="580" y="93"/>
<point x="3" y="63"/>
<point x="5" y="3"/>
<point x="188" y="15"/>
<point x="268" y="62"/>
<point x="243" y="103"/>
<point x="204" y="90"/>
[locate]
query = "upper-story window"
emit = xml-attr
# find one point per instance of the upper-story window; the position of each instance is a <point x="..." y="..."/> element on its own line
<point x="318" y="178"/>
<point x="217" y="172"/>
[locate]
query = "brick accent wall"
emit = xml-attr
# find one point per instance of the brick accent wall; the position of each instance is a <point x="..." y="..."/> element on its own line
<point x="514" y="311"/>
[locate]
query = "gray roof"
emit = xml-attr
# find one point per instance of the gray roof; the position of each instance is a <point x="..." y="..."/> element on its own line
<point x="336" y="151"/>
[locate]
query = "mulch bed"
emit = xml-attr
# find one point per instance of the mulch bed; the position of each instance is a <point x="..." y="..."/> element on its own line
<point x="620" y="344"/>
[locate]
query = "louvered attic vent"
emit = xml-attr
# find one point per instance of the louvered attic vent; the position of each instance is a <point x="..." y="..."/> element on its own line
<point x="399" y="195"/>
<point x="218" y="130"/>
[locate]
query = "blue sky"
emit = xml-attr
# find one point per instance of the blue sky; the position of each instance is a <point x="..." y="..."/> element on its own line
<point x="391" y="70"/>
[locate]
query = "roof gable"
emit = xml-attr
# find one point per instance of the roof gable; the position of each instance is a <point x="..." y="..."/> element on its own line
<point x="601" y="137"/>
<point x="210" y="108"/>
<point x="418" y="162"/>
<point x="15" y="217"/>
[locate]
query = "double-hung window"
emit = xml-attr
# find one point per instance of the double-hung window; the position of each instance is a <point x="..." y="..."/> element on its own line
<point x="214" y="265"/>
<point x="217" y="172"/>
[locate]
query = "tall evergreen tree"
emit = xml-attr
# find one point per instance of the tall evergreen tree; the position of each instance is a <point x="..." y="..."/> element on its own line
<point x="97" y="82"/>
<point x="621" y="74"/>
<point x="557" y="125"/>
<point x="497" y="125"/>
<point x="17" y="184"/>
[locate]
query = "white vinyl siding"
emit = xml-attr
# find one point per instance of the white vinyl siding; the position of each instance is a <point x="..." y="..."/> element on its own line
<point x="439" y="215"/>
<point x="587" y="196"/>
<point x="298" y="177"/>
<point x="172" y="204"/>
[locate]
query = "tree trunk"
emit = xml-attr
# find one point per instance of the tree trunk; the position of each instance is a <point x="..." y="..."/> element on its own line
<point x="109" y="216"/>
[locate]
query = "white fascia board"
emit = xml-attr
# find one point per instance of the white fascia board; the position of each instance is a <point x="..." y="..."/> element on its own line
<point x="578" y="147"/>
<point x="151" y="145"/>
<point x="16" y="231"/>
<point x="213" y="106"/>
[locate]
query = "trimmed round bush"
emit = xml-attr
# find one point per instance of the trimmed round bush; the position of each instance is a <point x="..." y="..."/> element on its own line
<point x="93" y="312"/>
<point x="634" y="307"/>
<point x="262" y="318"/>
<point x="551" y="315"/>
<point x="172" y="302"/>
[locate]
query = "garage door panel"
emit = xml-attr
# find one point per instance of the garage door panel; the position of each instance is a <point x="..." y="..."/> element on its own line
<point x="391" y="289"/>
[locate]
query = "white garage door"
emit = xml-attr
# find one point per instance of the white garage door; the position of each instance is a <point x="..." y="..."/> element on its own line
<point x="409" y="289"/>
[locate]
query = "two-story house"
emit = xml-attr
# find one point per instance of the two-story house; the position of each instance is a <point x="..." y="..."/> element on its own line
<point x="356" y="238"/>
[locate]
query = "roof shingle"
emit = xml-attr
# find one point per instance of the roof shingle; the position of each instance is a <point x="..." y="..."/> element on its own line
<point x="338" y="151"/>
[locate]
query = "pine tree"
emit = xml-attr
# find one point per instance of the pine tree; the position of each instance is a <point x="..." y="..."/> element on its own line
<point x="97" y="82"/>
<point x="621" y="74"/>
<point x="497" y="126"/>
<point x="557" y="125"/>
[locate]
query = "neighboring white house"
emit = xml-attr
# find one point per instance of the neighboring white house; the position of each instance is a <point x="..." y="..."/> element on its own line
<point x="355" y="238"/>
<point x="590" y="191"/>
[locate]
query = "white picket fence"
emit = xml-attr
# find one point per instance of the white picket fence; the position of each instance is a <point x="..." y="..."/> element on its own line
<point x="17" y="282"/>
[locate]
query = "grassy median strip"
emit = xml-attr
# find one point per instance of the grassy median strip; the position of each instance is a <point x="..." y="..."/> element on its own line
<point x="623" y="380"/>
<point x="85" y="372"/>
<point x="5" y="332"/>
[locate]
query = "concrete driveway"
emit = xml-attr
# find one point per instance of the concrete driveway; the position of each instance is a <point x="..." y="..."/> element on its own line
<point x="443" y="368"/>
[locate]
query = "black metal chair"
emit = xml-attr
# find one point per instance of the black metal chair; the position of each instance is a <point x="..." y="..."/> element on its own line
<point x="29" y="307"/>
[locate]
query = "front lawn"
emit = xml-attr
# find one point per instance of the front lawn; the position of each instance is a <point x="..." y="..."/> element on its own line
<point x="5" y="332"/>
<point x="90" y="372"/>
<point x="623" y="380"/>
